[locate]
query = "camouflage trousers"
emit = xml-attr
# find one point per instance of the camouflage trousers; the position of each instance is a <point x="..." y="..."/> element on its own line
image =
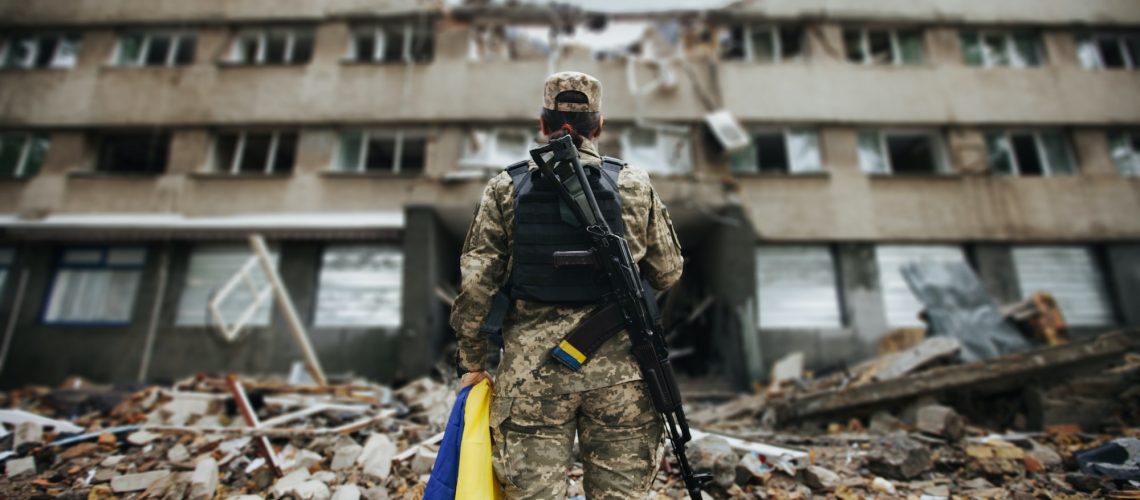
<point x="620" y="442"/>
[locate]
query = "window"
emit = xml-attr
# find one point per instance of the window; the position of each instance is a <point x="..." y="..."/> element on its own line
<point x="901" y="152"/>
<point x="272" y="46"/>
<point x="255" y="152"/>
<point x="210" y="267"/>
<point x="786" y="151"/>
<point x="992" y="49"/>
<point x="392" y="43"/>
<point x="1071" y="275"/>
<point x="399" y="151"/>
<point x="134" y="152"/>
<point x="763" y="43"/>
<point x="883" y="46"/>
<point x="1029" y="153"/>
<point x="1125" y="148"/>
<point x="360" y="286"/>
<point x="6" y="257"/>
<point x="39" y="51"/>
<point x="95" y="285"/>
<point x="155" y="49"/>
<point x="657" y="151"/>
<point x="497" y="147"/>
<point x="797" y="287"/>
<point x="900" y="304"/>
<point x="1109" y="50"/>
<point x="21" y="155"/>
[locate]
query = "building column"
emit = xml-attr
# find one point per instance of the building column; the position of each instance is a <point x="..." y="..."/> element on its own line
<point x="1124" y="281"/>
<point x="430" y="258"/>
<point x="862" y="296"/>
<point x="994" y="264"/>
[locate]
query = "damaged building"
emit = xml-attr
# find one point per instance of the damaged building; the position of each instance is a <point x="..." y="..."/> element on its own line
<point x="807" y="150"/>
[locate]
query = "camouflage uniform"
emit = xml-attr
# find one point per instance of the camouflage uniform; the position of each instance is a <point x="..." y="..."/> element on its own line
<point x="538" y="404"/>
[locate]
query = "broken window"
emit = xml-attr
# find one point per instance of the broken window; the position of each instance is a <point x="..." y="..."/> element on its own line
<point x="7" y="255"/>
<point x="498" y="42"/>
<point x="657" y="151"/>
<point x="883" y="46"/>
<point x="386" y="43"/>
<point x="497" y="147"/>
<point x="360" y="286"/>
<point x="1072" y="275"/>
<point x="762" y="43"/>
<point x="210" y="267"/>
<point x="1029" y="153"/>
<point x="255" y="152"/>
<point x="44" y="50"/>
<point x="781" y="151"/>
<point x="1109" y="50"/>
<point x="272" y="46"/>
<point x="95" y="285"/>
<point x="395" y="151"/>
<point x="1125" y="148"/>
<point x="990" y="49"/>
<point x="796" y="287"/>
<point x="901" y="152"/>
<point x="133" y="152"/>
<point x="155" y="49"/>
<point x="899" y="303"/>
<point x="21" y="155"/>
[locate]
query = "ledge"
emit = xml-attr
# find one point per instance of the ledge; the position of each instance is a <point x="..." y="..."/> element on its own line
<point x="824" y="174"/>
<point x="915" y="177"/>
<point x="331" y="174"/>
<point x="240" y="176"/>
<point x="116" y="175"/>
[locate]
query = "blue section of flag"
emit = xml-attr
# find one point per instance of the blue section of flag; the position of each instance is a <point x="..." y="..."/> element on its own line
<point x="566" y="358"/>
<point x="445" y="472"/>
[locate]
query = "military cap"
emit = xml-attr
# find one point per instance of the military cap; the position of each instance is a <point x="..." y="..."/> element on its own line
<point x="572" y="81"/>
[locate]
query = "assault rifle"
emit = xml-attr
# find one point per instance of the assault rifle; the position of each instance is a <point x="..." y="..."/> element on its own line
<point x="612" y="253"/>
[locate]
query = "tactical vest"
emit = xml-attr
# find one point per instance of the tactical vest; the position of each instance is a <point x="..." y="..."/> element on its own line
<point x="540" y="231"/>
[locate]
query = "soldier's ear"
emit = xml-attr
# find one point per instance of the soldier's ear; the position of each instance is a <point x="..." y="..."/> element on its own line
<point x="601" y="123"/>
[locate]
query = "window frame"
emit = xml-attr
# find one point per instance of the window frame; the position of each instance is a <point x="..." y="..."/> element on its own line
<point x="176" y="38"/>
<point x="785" y="133"/>
<point x="380" y="32"/>
<point x="239" y="149"/>
<point x="896" y="47"/>
<point x="29" y="62"/>
<point x="103" y="265"/>
<point x="484" y="160"/>
<point x="941" y="160"/>
<point x="237" y="58"/>
<point x="100" y="140"/>
<point x="1131" y="61"/>
<point x="1009" y="46"/>
<point x="1038" y="145"/>
<point x="774" y="30"/>
<point x="321" y="322"/>
<point x="1130" y="136"/>
<point x="841" y="320"/>
<point x="366" y="134"/>
<point x="21" y="170"/>
<point x="228" y="249"/>
<point x="661" y="148"/>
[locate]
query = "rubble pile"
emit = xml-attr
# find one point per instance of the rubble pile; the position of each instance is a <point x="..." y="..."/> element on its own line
<point x="346" y="441"/>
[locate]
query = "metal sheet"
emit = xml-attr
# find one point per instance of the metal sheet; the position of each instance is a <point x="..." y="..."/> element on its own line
<point x="901" y="306"/>
<point x="1072" y="275"/>
<point x="796" y="287"/>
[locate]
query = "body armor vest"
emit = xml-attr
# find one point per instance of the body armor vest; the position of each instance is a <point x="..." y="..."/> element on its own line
<point x="540" y="231"/>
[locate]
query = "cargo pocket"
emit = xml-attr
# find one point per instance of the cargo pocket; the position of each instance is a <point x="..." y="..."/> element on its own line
<point x="500" y="458"/>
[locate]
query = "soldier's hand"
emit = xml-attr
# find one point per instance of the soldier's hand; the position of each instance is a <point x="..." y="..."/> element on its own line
<point x="472" y="378"/>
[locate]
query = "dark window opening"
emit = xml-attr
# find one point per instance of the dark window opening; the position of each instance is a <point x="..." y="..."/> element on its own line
<point x="365" y="46"/>
<point x="1025" y="150"/>
<point x="381" y="154"/>
<point x="879" y="43"/>
<point x="286" y="152"/>
<point x="414" y="153"/>
<point x="394" y="44"/>
<point x="771" y="153"/>
<point x="1110" y="53"/>
<point x="791" y="42"/>
<point x="423" y="45"/>
<point x="732" y="46"/>
<point x="853" y="42"/>
<point x="134" y="153"/>
<point x="184" y="53"/>
<point x="302" y="49"/>
<point x="46" y="52"/>
<point x="159" y="49"/>
<point x="275" y="48"/>
<point x="911" y="154"/>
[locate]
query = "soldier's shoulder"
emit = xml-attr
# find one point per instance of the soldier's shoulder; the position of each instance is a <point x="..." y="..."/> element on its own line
<point x="634" y="178"/>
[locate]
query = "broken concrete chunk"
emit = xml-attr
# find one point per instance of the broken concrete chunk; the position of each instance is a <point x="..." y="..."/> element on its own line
<point x="111" y="461"/>
<point x="16" y="467"/>
<point x="882" y="422"/>
<point x="749" y="469"/>
<point x="819" y="478"/>
<point x="347" y="492"/>
<point x="324" y="476"/>
<point x="27" y="433"/>
<point x="714" y="454"/>
<point x="178" y="453"/>
<point x="310" y="490"/>
<point x="376" y="458"/>
<point x="204" y="481"/>
<point x="883" y="486"/>
<point x="345" y="453"/>
<point x="940" y="421"/>
<point x="898" y="457"/>
<point x="376" y="493"/>
<point x="287" y="483"/>
<point x="789" y="367"/>
<point x="423" y="461"/>
<point x="136" y="482"/>
<point x="141" y="438"/>
<point x="1044" y="454"/>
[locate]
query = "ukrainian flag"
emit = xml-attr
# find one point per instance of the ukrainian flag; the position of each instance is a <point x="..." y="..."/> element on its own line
<point x="462" y="468"/>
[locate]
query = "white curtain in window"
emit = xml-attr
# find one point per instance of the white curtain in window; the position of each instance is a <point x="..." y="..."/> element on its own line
<point x="360" y="286"/>
<point x="1072" y="275"/>
<point x="93" y="295"/>
<point x="210" y="268"/>
<point x="871" y="153"/>
<point x="796" y="287"/>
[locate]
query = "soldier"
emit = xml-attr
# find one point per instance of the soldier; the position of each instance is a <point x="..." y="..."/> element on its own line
<point x="539" y="405"/>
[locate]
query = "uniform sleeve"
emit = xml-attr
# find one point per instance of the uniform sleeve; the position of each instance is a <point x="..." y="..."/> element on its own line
<point x="483" y="269"/>
<point x="662" y="263"/>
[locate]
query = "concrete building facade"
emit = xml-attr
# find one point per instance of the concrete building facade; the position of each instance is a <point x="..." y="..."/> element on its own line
<point x="140" y="142"/>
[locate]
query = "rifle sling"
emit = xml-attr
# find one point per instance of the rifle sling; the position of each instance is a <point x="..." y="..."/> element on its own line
<point x="583" y="341"/>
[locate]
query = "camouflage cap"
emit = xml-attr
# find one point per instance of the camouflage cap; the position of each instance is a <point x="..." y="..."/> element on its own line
<point x="572" y="80"/>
